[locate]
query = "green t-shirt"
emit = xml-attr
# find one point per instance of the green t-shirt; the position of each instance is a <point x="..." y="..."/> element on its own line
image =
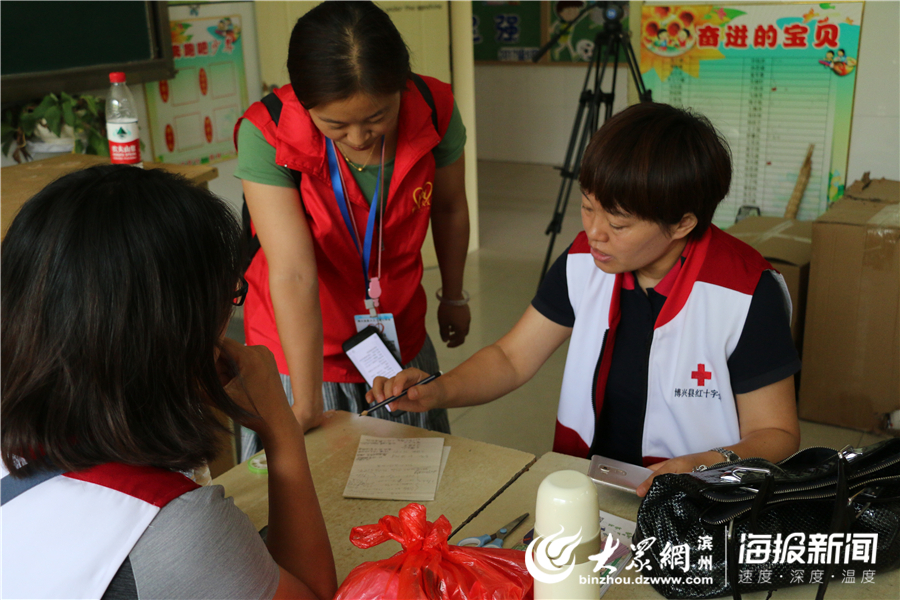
<point x="256" y="158"/>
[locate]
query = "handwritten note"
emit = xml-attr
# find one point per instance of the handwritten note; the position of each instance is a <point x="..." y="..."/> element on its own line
<point x="396" y="469"/>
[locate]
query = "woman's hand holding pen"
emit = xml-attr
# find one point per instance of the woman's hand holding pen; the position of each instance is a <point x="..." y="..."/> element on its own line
<point x="418" y="398"/>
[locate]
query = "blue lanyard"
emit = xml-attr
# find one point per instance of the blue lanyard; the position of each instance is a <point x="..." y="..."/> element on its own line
<point x="338" y="187"/>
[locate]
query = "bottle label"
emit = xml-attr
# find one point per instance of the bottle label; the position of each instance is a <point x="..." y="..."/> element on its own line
<point x="124" y="143"/>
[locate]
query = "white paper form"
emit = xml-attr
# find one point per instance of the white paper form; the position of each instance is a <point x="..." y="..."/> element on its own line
<point x="396" y="469"/>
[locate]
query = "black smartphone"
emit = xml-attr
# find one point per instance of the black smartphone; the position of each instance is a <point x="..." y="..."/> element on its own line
<point x="371" y="356"/>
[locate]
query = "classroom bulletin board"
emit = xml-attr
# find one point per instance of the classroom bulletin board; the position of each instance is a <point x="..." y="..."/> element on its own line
<point x="192" y="116"/>
<point x="514" y="32"/>
<point x="773" y="79"/>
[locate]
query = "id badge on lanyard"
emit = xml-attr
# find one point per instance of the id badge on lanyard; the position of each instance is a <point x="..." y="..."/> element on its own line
<point x="383" y="322"/>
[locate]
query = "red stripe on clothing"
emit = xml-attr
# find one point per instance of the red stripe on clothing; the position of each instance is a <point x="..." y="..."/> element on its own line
<point x="737" y="270"/>
<point x="652" y="460"/>
<point x="606" y="352"/>
<point x="580" y="245"/>
<point x="695" y="256"/>
<point x="150" y="484"/>
<point x="664" y="287"/>
<point x="567" y="441"/>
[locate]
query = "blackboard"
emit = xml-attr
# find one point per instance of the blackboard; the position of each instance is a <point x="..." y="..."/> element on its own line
<point x="46" y="36"/>
<point x="72" y="46"/>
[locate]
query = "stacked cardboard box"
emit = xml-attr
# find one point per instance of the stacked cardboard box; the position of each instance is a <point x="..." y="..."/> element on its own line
<point x="851" y="350"/>
<point x="787" y="245"/>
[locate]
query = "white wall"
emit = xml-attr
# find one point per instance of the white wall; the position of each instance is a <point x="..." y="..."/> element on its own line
<point x="875" y="130"/>
<point x="525" y="113"/>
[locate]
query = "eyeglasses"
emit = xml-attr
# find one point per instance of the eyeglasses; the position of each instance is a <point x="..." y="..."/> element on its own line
<point x="241" y="294"/>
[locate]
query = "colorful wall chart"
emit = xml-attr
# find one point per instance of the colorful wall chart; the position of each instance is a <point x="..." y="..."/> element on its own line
<point x="193" y="115"/>
<point x="577" y="45"/>
<point x="773" y="79"/>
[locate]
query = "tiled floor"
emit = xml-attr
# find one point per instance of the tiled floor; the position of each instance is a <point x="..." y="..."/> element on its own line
<point x="516" y="204"/>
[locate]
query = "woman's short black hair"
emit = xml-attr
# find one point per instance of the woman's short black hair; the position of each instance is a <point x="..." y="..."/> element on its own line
<point x="117" y="283"/>
<point x="658" y="163"/>
<point x="339" y="49"/>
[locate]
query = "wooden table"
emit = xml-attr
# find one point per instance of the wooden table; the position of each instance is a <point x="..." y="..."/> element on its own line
<point x="520" y="497"/>
<point x="475" y="473"/>
<point x="20" y="182"/>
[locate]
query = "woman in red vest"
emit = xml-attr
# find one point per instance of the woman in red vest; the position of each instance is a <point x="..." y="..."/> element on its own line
<point x="343" y="171"/>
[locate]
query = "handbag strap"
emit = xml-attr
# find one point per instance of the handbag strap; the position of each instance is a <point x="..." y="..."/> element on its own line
<point x="731" y="560"/>
<point x="766" y="490"/>
<point x="839" y="517"/>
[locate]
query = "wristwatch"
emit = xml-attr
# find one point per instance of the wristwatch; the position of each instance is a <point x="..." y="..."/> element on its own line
<point x="728" y="454"/>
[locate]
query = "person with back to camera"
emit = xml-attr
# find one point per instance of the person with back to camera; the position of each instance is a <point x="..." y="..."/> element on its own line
<point x="680" y="351"/>
<point x="353" y="103"/>
<point x="117" y="286"/>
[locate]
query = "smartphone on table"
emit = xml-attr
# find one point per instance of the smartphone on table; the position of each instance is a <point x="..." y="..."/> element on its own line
<point x="617" y="474"/>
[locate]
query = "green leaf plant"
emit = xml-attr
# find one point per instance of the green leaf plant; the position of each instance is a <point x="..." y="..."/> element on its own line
<point x="83" y="113"/>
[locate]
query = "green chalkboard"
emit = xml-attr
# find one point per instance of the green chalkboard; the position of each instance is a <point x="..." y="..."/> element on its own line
<point x="72" y="46"/>
<point x="46" y="36"/>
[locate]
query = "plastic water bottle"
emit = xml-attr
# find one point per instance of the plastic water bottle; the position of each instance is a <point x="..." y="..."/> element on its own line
<point x="122" y="123"/>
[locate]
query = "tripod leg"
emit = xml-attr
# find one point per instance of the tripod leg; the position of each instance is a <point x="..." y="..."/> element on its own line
<point x="644" y="94"/>
<point x="583" y="130"/>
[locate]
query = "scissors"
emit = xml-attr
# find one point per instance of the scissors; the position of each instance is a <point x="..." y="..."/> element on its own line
<point x="496" y="540"/>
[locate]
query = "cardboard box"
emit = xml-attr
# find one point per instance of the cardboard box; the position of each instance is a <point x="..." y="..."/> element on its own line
<point x="851" y="350"/>
<point x="787" y="244"/>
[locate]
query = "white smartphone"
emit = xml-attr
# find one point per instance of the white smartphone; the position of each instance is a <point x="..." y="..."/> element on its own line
<point x="370" y="355"/>
<point x="617" y="474"/>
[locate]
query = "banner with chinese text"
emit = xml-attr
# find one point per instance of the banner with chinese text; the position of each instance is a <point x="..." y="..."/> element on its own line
<point x="192" y="116"/>
<point x="773" y="79"/>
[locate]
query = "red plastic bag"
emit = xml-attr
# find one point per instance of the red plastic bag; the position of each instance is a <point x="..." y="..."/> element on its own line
<point x="429" y="568"/>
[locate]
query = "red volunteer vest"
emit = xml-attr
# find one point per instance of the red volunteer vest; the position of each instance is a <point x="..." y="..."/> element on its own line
<point x="300" y="146"/>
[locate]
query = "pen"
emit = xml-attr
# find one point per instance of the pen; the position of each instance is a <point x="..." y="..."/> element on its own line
<point x="378" y="405"/>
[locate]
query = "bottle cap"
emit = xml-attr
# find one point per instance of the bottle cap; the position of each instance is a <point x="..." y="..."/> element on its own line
<point x="117" y="77"/>
<point x="567" y="499"/>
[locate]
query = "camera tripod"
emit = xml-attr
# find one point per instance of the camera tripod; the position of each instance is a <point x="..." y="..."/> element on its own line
<point x="607" y="45"/>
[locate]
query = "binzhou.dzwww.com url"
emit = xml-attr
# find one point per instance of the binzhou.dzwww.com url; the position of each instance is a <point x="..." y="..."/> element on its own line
<point x="642" y="579"/>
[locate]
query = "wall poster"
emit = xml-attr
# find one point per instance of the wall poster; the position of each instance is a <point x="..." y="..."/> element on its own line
<point x="773" y="79"/>
<point x="506" y="31"/>
<point x="192" y="116"/>
<point x="577" y="45"/>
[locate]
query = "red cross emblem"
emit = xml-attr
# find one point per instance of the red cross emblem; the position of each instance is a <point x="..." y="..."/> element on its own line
<point x="701" y="375"/>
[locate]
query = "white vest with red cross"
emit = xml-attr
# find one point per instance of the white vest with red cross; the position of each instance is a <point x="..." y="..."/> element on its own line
<point x="690" y="404"/>
<point x="66" y="536"/>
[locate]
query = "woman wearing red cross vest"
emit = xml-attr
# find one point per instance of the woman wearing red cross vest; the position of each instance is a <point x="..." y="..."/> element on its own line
<point x="342" y="180"/>
<point x="680" y="350"/>
<point x="117" y="287"/>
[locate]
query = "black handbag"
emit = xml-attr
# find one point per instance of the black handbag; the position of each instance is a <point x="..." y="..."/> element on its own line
<point x="751" y="525"/>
